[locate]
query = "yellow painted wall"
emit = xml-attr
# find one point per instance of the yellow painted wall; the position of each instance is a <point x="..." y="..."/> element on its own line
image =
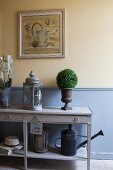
<point x="0" y="34"/>
<point x="88" y="42"/>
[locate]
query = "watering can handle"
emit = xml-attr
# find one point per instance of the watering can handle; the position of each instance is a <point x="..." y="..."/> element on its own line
<point x="56" y="144"/>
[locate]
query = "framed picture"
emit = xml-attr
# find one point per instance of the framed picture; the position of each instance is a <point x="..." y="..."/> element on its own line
<point x="41" y="33"/>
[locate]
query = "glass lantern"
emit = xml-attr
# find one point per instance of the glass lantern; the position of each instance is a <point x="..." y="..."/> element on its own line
<point x="32" y="96"/>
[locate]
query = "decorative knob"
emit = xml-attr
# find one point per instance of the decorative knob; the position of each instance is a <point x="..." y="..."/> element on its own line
<point x="7" y="117"/>
<point x="76" y="119"/>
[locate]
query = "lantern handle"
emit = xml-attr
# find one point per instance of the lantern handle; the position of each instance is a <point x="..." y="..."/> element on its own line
<point x="37" y="118"/>
<point x="31" y="74"/>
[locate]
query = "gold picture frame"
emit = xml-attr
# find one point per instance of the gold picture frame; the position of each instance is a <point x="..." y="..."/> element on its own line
<point x="41" y="33"/>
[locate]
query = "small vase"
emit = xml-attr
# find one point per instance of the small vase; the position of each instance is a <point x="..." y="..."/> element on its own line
<point x="4" y="98"/>
<point x="66" y="98"/>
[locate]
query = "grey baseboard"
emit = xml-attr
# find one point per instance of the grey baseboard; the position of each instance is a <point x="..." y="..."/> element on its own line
<point x="102" y="155"/>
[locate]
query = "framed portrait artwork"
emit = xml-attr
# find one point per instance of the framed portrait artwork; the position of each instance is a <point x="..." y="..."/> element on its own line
<point x="41" y="34"/>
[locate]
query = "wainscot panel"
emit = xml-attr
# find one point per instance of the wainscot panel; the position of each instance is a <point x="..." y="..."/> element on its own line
<point x="98" y="99"/>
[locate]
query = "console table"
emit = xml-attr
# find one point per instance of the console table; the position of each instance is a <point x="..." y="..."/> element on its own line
<point x="51" y="115"/>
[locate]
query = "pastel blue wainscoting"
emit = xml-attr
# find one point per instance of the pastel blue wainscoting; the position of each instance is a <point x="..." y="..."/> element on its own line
<point x="100" y="101"/>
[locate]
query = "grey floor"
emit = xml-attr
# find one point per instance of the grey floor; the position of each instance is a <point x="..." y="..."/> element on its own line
<point x="11" y="163"/>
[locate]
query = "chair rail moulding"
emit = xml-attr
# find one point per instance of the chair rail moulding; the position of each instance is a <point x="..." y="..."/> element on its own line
<point x="41" y="33"/>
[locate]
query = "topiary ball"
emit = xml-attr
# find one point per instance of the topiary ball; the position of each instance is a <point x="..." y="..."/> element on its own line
<point x="66" y="78"/>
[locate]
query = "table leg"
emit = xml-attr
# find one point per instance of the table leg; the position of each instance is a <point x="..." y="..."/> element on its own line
<point x="88" y="145"/>
<point x="25" y="134"/>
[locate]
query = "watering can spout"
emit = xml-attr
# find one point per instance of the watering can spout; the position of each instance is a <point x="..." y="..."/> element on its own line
<point x="101" y="133"/>
<point x="94" y="136"/>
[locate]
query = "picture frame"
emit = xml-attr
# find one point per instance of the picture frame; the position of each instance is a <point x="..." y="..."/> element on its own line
<point x="41" y="33"/>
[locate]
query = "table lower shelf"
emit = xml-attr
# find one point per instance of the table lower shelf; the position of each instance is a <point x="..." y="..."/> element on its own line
<point x="53" y="153"/>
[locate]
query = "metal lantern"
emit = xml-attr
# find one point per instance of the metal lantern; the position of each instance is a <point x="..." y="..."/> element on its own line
<point x="32" y="96"/>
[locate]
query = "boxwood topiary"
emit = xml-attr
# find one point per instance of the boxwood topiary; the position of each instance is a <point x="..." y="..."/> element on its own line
<point x="66" y="78"/>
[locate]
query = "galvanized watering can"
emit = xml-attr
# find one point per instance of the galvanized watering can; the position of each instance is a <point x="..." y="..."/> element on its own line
<point x="69" y="141"/>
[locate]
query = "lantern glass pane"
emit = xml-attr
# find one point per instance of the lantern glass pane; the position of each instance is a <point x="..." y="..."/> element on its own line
<point x="37" y="96"/>
<point x="28" y="95"/>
